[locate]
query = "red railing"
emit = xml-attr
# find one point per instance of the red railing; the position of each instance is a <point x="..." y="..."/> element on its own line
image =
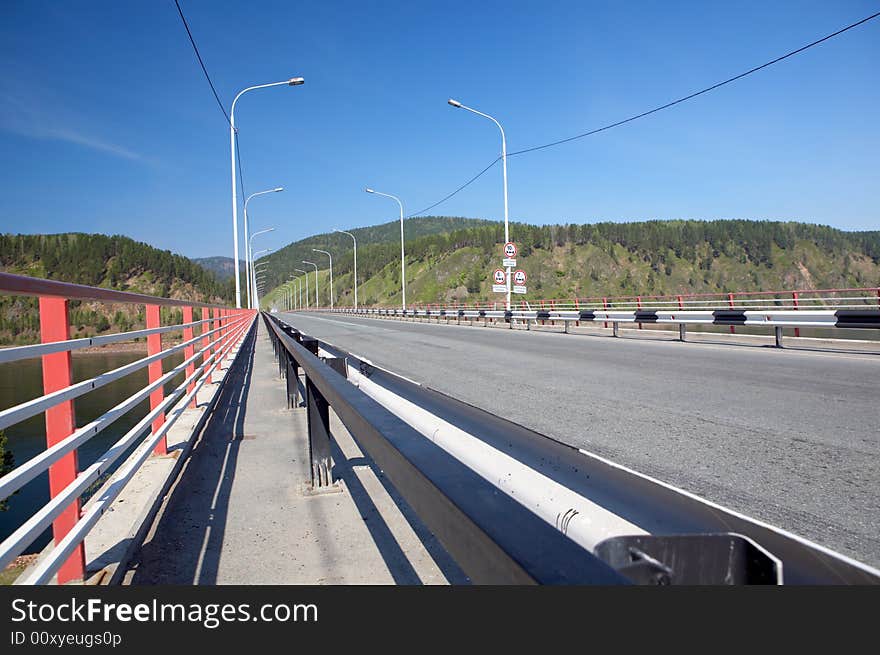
<point x="220" y="330"/>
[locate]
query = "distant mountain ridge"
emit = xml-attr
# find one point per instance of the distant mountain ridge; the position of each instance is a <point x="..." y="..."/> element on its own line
<point x="222" y="267"/>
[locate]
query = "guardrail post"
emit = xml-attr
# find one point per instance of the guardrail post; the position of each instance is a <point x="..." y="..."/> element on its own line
<point x="605" y="307"/>
<point x="615" y="328"/>
<point x="60" y="423"/>
<point x="292" y="386"/>
<point x="565" y="323"/>
<point x="682" y="328"/>
<point x="154" y="346"/>
<point x="188" y="352"/>
<point x="318" y="417"/>
<point x="778" y="333"/>
<point x="639" y="305"/>
<point x="794" y="296"/>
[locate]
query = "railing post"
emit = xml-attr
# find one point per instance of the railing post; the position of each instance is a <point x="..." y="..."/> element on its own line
<point x="189" y="351"/>
<point x="60" y="423"/>
<point x="154" y="346"/>
<point x="730" y="304"/>
<point x="209" y="313"/>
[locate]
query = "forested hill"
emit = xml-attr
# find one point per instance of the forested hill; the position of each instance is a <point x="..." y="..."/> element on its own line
<point x="599" y="259"/>
<point x="114" y="262"/>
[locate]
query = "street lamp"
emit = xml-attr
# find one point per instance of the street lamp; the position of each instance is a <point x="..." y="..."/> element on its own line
<point x="331" y="273"/>
<point x="247" y="234"/>
<point x="293" y="81"/>
<point x="402" y="260"/>
<point x="317" y="303"/>
<point x="355" y="265"/>
<point x="305" y="273"/>
<point x="457" y="104"/>
<point x="249" y="262"/>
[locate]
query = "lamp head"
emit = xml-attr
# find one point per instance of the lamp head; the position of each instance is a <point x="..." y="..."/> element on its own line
<point x="295" y="81"/>
<point x="454" y="103"/>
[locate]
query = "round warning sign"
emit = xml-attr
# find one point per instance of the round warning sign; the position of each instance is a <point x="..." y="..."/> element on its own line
<point x="510" y="250"/>
<point x="499" y="276"/>
<point x="519" y="277"/>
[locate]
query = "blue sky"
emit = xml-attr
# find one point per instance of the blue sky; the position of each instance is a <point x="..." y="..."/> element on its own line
<point x="107" y="124"/>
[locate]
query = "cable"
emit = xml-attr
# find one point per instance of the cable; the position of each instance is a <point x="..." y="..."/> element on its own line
<point x="468" y="183"/>
<point x="202" y="63"/>
<point x="240" y="173"/>
<point x="655" y="109"/>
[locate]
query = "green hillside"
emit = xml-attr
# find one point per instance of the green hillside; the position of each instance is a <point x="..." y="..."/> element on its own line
<point x="281" y="263"/>
<point x="609" y="259"/>
<point x="114" y="262"/>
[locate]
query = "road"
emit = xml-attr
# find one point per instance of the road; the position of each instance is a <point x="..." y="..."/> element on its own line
<point x="789" y="437"/>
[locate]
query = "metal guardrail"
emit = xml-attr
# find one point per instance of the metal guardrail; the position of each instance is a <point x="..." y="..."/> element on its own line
<point x="768" y="317"/>
<point x="608" y="523"/>
<point x="221" y="328"/>
<point x="845" y="298"/>
<point x="457" y="505"/>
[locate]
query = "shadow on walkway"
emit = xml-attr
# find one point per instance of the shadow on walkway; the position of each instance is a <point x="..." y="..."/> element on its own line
<point x="187" y="540"/>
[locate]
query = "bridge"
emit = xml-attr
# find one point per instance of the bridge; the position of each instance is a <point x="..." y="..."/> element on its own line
<point x="441" y="445"/>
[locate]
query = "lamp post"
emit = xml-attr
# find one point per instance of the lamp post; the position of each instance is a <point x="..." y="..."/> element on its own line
<point x="256" y="300"/>
<point x="249" y="262"/>
<point x="457" y="104"/>
<point x="331" y="273"/>
<point x="355" y="265"/>
<point x="306" y="274"/>
<point x="298" y="288"/>
<point x="317" y="302"/>
<point x="293" y="81"/>
<point x="247" y="233"/>
<point x="291" y="295"/>
<point x="256" y="268"/>
<point x="402" y="259"/>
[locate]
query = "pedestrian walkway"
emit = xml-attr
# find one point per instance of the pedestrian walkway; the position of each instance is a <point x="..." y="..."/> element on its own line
<point x="242" y="511"/>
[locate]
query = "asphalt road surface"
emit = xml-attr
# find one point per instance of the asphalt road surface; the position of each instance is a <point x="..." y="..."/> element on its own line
<point x="789" y="437"/>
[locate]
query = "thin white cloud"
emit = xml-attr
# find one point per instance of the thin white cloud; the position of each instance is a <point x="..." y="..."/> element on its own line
<point x="36" y="115"/>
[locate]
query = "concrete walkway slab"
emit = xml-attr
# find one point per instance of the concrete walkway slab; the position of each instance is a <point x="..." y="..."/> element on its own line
<point x="241" y="513"/>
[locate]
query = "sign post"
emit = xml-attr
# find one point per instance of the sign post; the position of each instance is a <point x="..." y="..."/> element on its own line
<point x="509" y="262"/>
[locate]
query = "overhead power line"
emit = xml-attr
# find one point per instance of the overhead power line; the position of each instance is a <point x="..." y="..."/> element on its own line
<point x="201" y="62"/>
<point x="216" y="95"/>
<point x="650" y="111"/>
